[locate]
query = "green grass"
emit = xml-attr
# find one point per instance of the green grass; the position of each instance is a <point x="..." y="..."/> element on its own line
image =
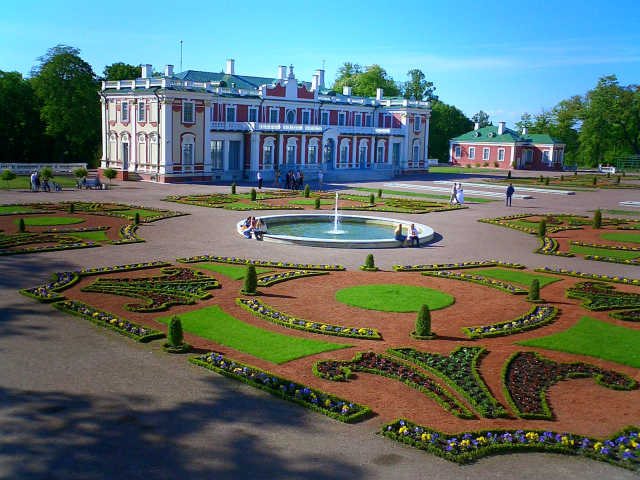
<point x="131" y="213"/>
<point x="218" y="326"/>
<point x="234" y="272"/>
<point x="604" y="252"/>
<point x="24" y="182"/>
<point x="310" y="201"/>
<point x="515" y="276"/>
<point x="467" y="170"/>
<point x="621" y="237"/>
<point x="16" y="209"/>
<point x="49" y="221"/>
<point x="393" y="297"/>
<point x="586" y="338"/>
<point x="99" y="236"/>
<point x="423" y="195"/>
<point x="622" y="212"/>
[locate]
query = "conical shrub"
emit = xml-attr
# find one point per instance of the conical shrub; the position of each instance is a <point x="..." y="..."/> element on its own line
<point x="423" y="322"/>
<point x="174" y="334"/>
<point x="307" y="191"/>
<point x="254" y="195"/>
<point x="233" y="188"/>
<point x="250" y="284"/>
<point x="534" y="290"/>
<point x="542" y="228"/>
<point x="369" y="262"/>
<point x="21" y="227"/>
<point x="597" y="219"/>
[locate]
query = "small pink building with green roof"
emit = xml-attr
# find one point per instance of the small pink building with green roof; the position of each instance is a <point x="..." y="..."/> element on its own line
<point x="501" y="147"/>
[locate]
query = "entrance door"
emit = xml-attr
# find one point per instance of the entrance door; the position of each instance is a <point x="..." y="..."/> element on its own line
<point x="125" y="156"/>
<point x="329" y="154"/>
<point x="234" y="155"/>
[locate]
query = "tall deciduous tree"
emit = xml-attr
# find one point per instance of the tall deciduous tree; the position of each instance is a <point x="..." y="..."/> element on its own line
<point x="418" y="87"/>
<point x="446" y="123"/>
<point x="67" y="89"/>
<point x="526" y="121"/>
<point x="482" y="118"/>
<point x="121" y="71"/>
<point x="365" y="82"/>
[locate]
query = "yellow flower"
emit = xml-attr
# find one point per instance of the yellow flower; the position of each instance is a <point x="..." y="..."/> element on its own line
<point x="597" y="446"/>
<point x="481" y="440"/>
<point x="402" y="430"/>
<point x="426" y="437"/>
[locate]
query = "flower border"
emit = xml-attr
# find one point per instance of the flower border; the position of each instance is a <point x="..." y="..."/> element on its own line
<point x="549" y="313"/>
<point x="457" y="266"/>
<point x="589" y="276"/>
<point x="487" y="282"/>
<point x="258" y="263"/>
<point x="269" y="279"/>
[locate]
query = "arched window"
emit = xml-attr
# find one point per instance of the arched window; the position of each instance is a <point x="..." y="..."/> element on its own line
<point x="125" y="149"/>
<point x="312" y="156"/>
<point x="268" y="150"/>
<point x="188" y="149"/>
<point x="292" y="150"/>
<point x="291" y="116"/>
<point x="380" y="152"/>
<point x="363" y="151"/>
<point x="329" y="152"/>
<point x="416" y="151"/>
<point x="344" y="154"/>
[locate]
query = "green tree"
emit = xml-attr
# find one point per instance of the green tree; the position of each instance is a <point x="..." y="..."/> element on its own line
<point x="526" y="121"/>
<point x="446" y="122"/>
<point x="482" y="118"/>
<point x="21" y="226"/>
<point x="46" y="173"/>
<point x="534" y="290"/>
<point x="418" y="87"/>
<point x="110" y="174"/>
<point x="67" y="89"/>
<point x="423" y="322"/>
<point x="250" y="284"/>
<point x="542" y="228"/>
<point x="365" y="82"/>
<point x="175" y="336"/>
<point x="8" y="175"/>
<point x="597" y="219"/>
<point x="80" y="172"/>
<point x="121" y="71"/>
<point x="369" y="262"/>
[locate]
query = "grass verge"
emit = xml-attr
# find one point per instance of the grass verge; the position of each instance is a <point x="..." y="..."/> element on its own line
<point x="393" y="297"/>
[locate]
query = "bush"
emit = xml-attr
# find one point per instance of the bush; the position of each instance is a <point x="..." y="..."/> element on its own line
<point x="496" y="164"/>
<point x="372" y="199"/>
<point x="575" y="174"/>
<point x="542" y="228"/>
<point x="253" y="194"/>
<point x="485" y="164"/>
<point x="379" y="193"/>
<point x="233" y="188"/>
<point x="562" y="178"/>
<point x="136" y="219"/>
<point x="541" y="179"/>
<point x="21" y="225"/>
<point x="369" y="262"/>
<point x="618" y="180"/>
<point x="423" y="322"/>
<point x="250" y="284"/>
<point x="109" y="174"/>
<point x="80" y="172"/>
<point x="316" y="203"/>
<point x="468" y="165"/>
<point x="595" y="180"/>
<point x="608" y="174"/>
<point x="7" y="176"/>
<point x="546" y="181"/>
<point x="509" y="174"/>
<point x="624" y="173"/>
<point x="71" y="208"/>
<point x="46" y="173"/>
<point x="478" y="164"/>
<point x="307" y="191"/>
<point x="174" y="334"/>
<point x="534" y="290"/>
<point x="597" y="219"/>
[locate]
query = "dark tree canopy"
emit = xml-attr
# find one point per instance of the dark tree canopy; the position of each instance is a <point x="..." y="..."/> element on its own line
<point x="121" y="71"/>
<point x="365" y="82"/>
<point x="446" y="123"/>
<point x="418" y="87"/>
<point x="481" y="118"/>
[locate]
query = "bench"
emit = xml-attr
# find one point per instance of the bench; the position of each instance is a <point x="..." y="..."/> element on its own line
<point x="92" y="183"/>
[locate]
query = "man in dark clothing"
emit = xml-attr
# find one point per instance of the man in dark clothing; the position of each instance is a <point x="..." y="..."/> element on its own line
<point x="510" y="192"/>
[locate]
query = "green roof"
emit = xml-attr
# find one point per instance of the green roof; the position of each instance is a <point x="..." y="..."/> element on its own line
<point x="236" y="81"/>
<point x="489" y="134"/>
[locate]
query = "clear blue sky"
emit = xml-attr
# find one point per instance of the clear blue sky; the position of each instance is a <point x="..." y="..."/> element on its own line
<point x="502" y="57"/>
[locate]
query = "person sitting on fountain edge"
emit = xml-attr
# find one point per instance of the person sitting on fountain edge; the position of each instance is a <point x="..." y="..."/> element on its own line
<point x="413" y="235"/>
<point x="246" y="227"/>
<point x="260" y="229"/>
<point x="397" y="234"/>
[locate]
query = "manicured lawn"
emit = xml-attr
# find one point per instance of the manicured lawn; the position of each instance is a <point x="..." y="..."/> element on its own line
<point x="586" y="338"/>
<point x="16" y="209"/>
<point x="99" y="236"/>
<point x="49" y="221"/>
<point x="621" y="237"/>
<point x="131" y="213"/>
<point x="604" y="252"/>
<point x="216" y="325"/>
<point x="393" y="297"/>
<point x="466" y="170"/>
<point x="310" y="201"/>
<point x="623" y="212"/>
<point x="515" y="276"/>
<point x="234" y="272"/>
<point x="423" y="195"/>
<point x="24" y="182"/>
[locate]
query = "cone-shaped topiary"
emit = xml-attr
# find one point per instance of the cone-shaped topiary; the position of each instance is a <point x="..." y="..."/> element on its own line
<point x="307" y="191"/>
<point x="618" y="180"/>
<point x="542" y="228"/>
<point x="372" y="199"/>
<point x="316" y="203"/>
<point x="546" y="180"/>
<point x="233" y="188"/>
<point x="597" y="219"/>
<point x="253" y="194"/>
<point x="369" y="262"/>
<point x="71" y="208"/>
<point x="174" y="334"/>
<point x="595" y="180"/>
<point x="250" y="284"/>
<point x="136" y="219"/>
<point x="575" y="174"/>
<point x="423" y="322"/>
<point x="509" y="174"/>
<point x="561" y="178"/>
<point x="534" y="290"/>
<point x="379" y="193"/>
<point x="21" y="225"/>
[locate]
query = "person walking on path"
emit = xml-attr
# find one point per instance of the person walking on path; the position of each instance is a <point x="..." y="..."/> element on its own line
<point x="320" y="177"/>
<point x="259" y="177"/>
<point x="454" y="195"/>
<point x="510" y="192"/>
<point x="460" y="194"/>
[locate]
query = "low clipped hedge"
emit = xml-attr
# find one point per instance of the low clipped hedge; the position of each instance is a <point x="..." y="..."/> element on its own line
<point x="536" y="317"/>
<point x="456" y="266"/>
<point x="487" y="282"/>
<point x="258" y="263"/>
<point x="270" y="279"/>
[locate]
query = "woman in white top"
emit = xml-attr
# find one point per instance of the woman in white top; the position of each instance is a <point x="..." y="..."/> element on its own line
<point x="460" y="194"/>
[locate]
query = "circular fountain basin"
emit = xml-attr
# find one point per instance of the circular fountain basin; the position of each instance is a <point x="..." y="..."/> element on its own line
<point x="359" y="231"/>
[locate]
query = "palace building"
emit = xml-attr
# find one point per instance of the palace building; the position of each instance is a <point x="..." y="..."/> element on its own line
<point x="502" y="147"/>
<point x="198" y="126"/>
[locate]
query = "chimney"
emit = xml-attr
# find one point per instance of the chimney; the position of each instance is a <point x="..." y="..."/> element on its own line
<point x="282" y="72"/>
<point x="476" y="126"/>
<point x="291" y="72"/>
<point x="146" y="71"/>
<point x="501" y="128"/>
<point x="320" y="74"/>
<point x="379" y="94"/>
<point x="231" y="63"/>
<point x="525" y="130"/>
<point x="168" y="71"/>
<point x="315" y="82"/>
<point x="346" y="91"/>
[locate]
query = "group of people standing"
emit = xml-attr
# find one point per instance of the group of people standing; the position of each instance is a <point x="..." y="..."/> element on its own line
<point x="293" y="180"/>
<point x="252" y="226"/>
<point x="39" y="182"/>
<point x="457" y="194"/>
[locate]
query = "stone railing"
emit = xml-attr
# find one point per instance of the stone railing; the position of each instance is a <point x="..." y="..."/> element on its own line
<point x="30" y="167"/>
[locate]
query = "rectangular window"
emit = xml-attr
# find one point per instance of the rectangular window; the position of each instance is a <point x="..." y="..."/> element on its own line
<point x="274" y="115"/>
<point x="217" y="162"/>
<point x="125" y="111"/>
<point x="367" y="120"/>
<point x="267" y="156"/>
<point x="344" y="154"/>
<point x="363" y="155"/>
<point x="141" y="111"/>
<point x="395" y="154"/>
<point x="231" y="114"/>
<point x="188" y="112"/>
<point x="457" y="152"/>
<point x="253" y="114"/>
<point x="501" y="155"/>
<point x="416" y="153"/>
<point x="291" y="154"/>
<point x="417" y="124"/>
<point x="357" y="121"/>
<point x="485" y="154"/>
<point x="306" y="117"/>
<point x="234" y="155"/>
<point x="187" y="153"/>
<point x="211" y="113"/>
<point x="545" y="157"/>
<point x="380" y="154"/>
<point x="387" y="121"/>
<point x="341" y="118"/>
<point x="313" y="154"/>
<point x="472" y="153"/>
<point x="325" y="118"/>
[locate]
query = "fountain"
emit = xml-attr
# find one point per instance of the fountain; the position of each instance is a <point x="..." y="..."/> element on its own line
<point x="336" y="230"/>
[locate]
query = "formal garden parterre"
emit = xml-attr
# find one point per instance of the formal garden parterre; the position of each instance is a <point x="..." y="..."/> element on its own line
<point x="498" y="370"/>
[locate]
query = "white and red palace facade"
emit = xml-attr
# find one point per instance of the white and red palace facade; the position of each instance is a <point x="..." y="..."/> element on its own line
<point x="206" y="126"/>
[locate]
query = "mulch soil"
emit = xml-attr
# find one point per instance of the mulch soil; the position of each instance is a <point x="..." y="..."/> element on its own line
<point x="580" y="405"/>
<point x="589" y="234"/>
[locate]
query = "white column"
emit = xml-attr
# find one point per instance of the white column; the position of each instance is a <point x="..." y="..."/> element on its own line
<point x="389" y="151"/>
<point x="426" y="140"/>
<point x="513" y="154"/>
<point x="225" y="155"/>
<point x="166" y="137"/>
<point x="354" y="152"/>
<point x="105" y="131"/>
<point x="255" y="151"/>
<point x="133" y="146"/>
<point x="303" y="152"/>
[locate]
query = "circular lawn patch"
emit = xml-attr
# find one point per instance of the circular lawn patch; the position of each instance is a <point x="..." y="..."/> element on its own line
<point x="393" y="297"/>
<point x="49" y="221"/>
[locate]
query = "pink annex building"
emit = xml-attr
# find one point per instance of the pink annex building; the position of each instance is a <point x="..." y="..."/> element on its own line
<point x="208" y="126"/>
<point x="502" y="147"/>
